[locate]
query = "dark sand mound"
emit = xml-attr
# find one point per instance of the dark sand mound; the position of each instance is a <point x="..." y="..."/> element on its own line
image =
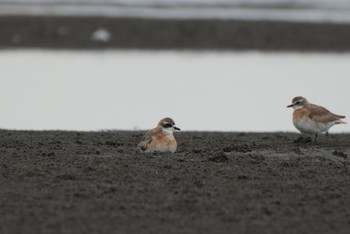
<point x="74" y="182"/>
<point x="132" y="33"/>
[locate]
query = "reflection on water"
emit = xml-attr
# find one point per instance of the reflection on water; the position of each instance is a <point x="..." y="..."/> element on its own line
<point x="216" y="91"/>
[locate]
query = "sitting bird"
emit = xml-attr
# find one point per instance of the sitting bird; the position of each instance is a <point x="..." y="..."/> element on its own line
<point x="161" y="138"/>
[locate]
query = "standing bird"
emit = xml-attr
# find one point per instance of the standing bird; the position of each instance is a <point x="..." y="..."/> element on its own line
<point x="161" y="138"/>
<point x="309" y="118"/>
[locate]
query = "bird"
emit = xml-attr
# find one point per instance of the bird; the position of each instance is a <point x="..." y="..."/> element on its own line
<point x="161" y="138"/>
<point x="312" y="119"/>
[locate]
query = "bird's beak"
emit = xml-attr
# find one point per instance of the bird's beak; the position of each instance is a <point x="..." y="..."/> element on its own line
<point x="176" y="128"/>
<point x="291" y="105"/>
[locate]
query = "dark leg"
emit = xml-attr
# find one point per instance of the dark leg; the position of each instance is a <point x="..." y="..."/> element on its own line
<point x="327" y="133"/>
<point x="316" y="135"/>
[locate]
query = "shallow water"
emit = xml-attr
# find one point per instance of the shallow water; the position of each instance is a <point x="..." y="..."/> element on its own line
<point x="216" y="91"/>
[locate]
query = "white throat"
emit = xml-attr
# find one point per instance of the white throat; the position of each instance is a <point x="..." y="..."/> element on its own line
<point x="297" y="107"/>
<point x="168" y="131"/>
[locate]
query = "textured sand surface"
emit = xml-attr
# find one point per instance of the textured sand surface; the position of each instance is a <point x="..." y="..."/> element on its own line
<point x="80" y="182"/>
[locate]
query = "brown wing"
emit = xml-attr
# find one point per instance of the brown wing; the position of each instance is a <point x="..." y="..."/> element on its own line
<point x="321" y="114"/>
<point x="147" y="139"/>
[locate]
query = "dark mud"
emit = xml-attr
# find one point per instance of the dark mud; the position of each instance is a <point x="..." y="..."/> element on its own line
<point x="130" y="33"/>
<point x="79" y="182"/>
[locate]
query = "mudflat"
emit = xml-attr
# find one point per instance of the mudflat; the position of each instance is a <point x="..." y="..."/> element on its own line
<point x="97" y="182"/>
<point x="137" y="33"/>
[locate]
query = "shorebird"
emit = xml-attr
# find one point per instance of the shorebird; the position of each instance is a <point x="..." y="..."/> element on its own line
<point x="312" y="119"/>
<point x="161" y="138"/>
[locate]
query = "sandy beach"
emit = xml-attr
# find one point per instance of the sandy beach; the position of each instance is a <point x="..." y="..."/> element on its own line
<point x="97" y="182"/>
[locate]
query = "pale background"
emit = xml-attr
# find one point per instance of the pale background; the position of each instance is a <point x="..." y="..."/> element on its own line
<point x="215" y="91"/>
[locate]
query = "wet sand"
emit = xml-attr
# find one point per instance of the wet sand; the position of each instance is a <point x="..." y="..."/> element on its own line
<point x="131" y="33"/>
<point x="97" y="182"/>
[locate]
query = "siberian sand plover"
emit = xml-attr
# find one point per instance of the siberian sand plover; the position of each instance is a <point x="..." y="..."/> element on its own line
<point x="161" y="138"/>
<point x="311" y="119"/>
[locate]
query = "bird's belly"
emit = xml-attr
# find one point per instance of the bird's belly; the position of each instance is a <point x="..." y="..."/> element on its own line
<point x="164" y="145"/>
<point x="311" y="127"/>
<point x="165" y="148"/>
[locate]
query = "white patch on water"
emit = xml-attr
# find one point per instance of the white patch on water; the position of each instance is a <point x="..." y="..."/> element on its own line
<point x="121" y="89"/>
<point x="102" y="35"/>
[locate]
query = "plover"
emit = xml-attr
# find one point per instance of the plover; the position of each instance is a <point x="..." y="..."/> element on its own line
<point x="312" y="119"/>
<point x="161" y="138"/>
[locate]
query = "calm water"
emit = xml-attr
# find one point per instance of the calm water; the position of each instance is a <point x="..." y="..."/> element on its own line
<point x="219" y="91"/>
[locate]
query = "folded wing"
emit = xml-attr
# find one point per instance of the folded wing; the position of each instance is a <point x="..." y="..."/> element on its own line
<point x="322" y="115"/>
<point x="146" y="140"/>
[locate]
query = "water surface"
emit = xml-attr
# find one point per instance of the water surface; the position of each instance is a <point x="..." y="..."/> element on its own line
<point x="216" y="91"/>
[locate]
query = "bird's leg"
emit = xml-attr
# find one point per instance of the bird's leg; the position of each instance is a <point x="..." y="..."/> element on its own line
<point x="327" y="134"/>
<point x="316" y="135"/>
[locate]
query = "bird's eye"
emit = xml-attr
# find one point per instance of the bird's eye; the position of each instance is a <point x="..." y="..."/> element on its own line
<point x="167" y="125"/>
